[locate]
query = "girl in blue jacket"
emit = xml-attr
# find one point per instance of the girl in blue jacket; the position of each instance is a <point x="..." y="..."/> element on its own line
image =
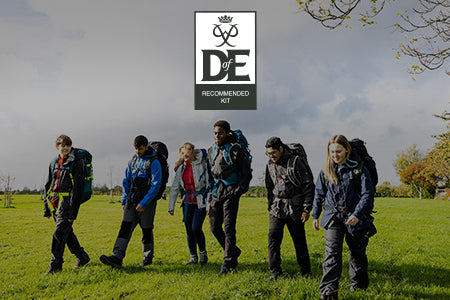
<point x="344" y="193"/>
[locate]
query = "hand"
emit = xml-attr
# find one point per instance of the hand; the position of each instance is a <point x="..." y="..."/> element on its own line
<point x="123" y="206"/>
<point x="315" y="224"/>
<point x="305" y="217"/>
<point x="352" y="221"/>
<point x="70" y="221"/>
<point x="171" y="212"/>
<point x="139" y="208"/>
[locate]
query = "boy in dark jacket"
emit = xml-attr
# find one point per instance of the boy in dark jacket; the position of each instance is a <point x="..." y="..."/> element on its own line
<point x="140" y="187"/>
<point x="230" y="182"/>
<point x="64" y="189"/>
<point x="289" y="205"/>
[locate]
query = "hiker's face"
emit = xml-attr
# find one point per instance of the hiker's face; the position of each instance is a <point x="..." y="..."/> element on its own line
<point x="63" y="150"/>
<point x="274" y="154"/>
<point x="220" y="135"/>
<point x="187" y="154"/>
<point x="140" y="150"/>
<point x="337" y="153"/>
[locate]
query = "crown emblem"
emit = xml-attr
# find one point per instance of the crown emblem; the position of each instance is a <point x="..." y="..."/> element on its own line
<point x="225" y="19"/>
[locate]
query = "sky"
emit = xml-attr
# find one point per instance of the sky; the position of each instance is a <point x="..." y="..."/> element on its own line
<point x="104" y="72"/>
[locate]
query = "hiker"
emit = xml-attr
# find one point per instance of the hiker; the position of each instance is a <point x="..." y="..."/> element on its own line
<point x="289" y="203"/>
<point x="231" y="171"/>
<point x="191" y="180"/>
<point x="64" y="191"/>
<point x="143" y="179"/>
<point x="345" y="194"/>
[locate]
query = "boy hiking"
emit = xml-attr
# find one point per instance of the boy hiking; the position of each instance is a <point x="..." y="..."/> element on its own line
<point x="64" y="192"/>
<point x="141" y="185"/>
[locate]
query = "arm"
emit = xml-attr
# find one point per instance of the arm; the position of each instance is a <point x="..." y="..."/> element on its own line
<point x="269" y="186"/>
<point x="174" y="190"/>
<point x="319" y="196"/>
<point x="47" y="187"/>
<point x="243" y="167"/>
<point x="77" y="189"/>
<point x="126" y="183"/>
<point x="307" y="187"/>
<point x="365" y="204"/>
<point x="155" y="184"/>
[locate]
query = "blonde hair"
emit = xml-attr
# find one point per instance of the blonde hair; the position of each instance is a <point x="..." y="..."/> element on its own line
<point x="187" y="146"/>
<point x="329" y="168"/>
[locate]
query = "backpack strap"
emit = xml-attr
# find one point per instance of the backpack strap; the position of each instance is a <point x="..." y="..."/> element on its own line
<point x="294" y="177"/>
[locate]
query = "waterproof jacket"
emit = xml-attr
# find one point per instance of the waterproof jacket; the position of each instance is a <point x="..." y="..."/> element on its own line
<point x="284" y="198"/>
<point x="142" y="182"/>
<point x="71" y="180"/>
<point x="356" y="199"/>
<point x="239" y="175"/>
<point x="201" y="181"/>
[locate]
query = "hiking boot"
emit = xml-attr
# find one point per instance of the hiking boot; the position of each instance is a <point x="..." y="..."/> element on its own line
<point x="193" y="260"/>
<point x="234" y="262"/>
<point x="112" y="261"/>
<point x="53" y="270"/>
<point x="203" y="258"/>
<point x="274" y="276"/>
<point x="223" y="270"/>
<point x="333" y="296"/>
<point x="146" y="262"/>
<point x="83" y="260"/>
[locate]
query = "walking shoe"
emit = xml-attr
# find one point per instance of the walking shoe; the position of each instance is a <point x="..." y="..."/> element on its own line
<point x="274" y="276"/>
<point x="146" y="262"/>
<point x="193" y="260"/>
<point x="223" y="270"/>
<point x="83" y="260"/>
<point x="112" y="261"/>
<point x="333" y="296"/>
<point x="234" y="262"/>
<point x="53" y="270"/>
<point x="203" y="257"/>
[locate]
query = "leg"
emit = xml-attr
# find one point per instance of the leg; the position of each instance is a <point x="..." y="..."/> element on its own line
<point x="231" y="252"/>
<point x="127" y="227"/>
<point x="332" y="265"/>
<point x="197" y="227"/>
<point x="276" y="228"/>
<point x="188" y="212"/>
<point x="146" y="221"/>
<point x="358" y="272"/>
<point x="63" y="228"/>
<point x="297" y="231"/>
<point x="216" y="220"/>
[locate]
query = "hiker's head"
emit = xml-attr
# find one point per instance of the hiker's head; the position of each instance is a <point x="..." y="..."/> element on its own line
<point x="222" y="130"/>
<point x="140" y="145"/>
<point x="338" y="149"/>
<point x="274" y="148"/>
<point x="64" y="145"/>
<point x="186" y="151"/>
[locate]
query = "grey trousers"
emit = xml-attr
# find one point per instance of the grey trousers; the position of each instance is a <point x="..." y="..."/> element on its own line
<point x="131" y="217"/>
<point x="332" y="265"/>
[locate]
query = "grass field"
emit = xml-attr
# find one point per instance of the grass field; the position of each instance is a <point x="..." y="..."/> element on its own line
<point x="409" y="257"/>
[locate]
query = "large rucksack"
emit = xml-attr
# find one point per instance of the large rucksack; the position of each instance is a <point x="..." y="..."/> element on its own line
<point x="367" y="161"/>
<point x="298" y="153"/>
<point x="243" y="143"/>
<point x="161" y="154"/>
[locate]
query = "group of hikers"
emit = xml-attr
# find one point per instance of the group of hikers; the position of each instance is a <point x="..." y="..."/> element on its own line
<point x="211" y="182"/>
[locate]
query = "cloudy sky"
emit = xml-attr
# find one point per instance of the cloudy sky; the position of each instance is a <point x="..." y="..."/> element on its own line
<point x="103" y="72"/>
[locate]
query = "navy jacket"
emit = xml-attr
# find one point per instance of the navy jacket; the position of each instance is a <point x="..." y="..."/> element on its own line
<point x="358" y="200"/>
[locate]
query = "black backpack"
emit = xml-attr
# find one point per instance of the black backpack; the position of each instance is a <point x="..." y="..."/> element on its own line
<point x="161" y="154"/>
<point x="298" y="153"/>
<point x="367" y="161"/>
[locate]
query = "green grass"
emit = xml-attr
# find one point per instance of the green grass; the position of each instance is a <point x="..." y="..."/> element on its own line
<point x="408" y="257"/>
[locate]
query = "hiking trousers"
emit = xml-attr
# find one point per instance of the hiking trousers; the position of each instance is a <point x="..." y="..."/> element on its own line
<point x="297" y="231"/>
<point x="223" y="211"/>
<point x="131" y="217"/>
<point x="332" y="265"/>
<point x="193" y="221"/>
<point x="62" y="236"/>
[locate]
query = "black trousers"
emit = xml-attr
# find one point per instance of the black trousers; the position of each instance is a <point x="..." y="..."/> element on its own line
<point x="332" y="265"/>
<point x="63" y="235"/>
<point x="223" y="211"/>
<point x="297" y="231"/>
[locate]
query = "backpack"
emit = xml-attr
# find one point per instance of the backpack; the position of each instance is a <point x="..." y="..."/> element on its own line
<point x="161" y="154"/>
<point x="242" y="142"/>
<point x="367" y="161"/>
<point x="298" y="153"/>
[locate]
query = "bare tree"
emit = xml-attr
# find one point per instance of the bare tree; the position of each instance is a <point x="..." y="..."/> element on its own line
<point x="7" y="182"/>
<point x="428" y="22"/>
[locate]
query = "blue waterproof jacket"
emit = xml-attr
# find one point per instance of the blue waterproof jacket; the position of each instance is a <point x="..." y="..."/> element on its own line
<point x="137" y="174"/>
<point x="350" y="196"/>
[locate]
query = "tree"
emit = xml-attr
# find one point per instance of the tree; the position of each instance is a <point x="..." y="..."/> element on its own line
<point x="407" y="157"/>
<point x="7" y="181"/>
<point x="415" y="175"/>
<point x="428" y="22"/>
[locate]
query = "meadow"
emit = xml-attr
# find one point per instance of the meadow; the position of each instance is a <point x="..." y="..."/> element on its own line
<point x="409" y="257"/>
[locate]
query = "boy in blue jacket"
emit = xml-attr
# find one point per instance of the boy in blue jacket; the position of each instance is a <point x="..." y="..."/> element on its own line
<point x="140" y="186"/>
